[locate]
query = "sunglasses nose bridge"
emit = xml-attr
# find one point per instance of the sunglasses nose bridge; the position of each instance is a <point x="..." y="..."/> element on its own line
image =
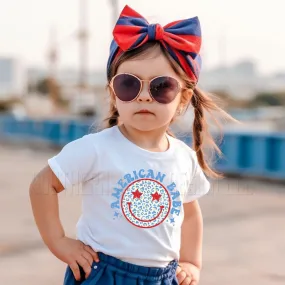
<point x="144" y="92"/>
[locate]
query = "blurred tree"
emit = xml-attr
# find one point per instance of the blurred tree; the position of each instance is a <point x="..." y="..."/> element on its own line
<point x="49" y="87"/>
<point x="226" y="100"/>
<point x="222" y="94"/>
<point x="42" y="86"/>
<point x="7" y="104"/>
<point x="31" y="87"/>
<point x="268" y="99"/>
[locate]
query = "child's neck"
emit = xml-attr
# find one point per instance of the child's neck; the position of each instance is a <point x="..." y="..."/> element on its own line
<point x="154" y="140"/>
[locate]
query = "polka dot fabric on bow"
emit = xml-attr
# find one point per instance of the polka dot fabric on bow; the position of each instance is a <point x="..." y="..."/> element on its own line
<point x="182" y="39"/>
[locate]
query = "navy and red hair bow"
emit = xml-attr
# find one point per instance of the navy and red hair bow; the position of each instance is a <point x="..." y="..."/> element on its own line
<point x="182" y="39"/>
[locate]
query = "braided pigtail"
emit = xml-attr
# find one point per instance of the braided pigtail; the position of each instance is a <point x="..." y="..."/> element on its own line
<point x="201" y="102"/>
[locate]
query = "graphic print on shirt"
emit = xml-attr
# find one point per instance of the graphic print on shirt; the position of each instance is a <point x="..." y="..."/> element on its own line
<point x="144" y="201"/>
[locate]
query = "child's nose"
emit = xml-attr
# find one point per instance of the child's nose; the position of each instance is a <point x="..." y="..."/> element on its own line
<point x="144" y="95"/>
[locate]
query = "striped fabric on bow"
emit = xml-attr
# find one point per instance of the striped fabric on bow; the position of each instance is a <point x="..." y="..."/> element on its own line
<point x="182" y="39"/>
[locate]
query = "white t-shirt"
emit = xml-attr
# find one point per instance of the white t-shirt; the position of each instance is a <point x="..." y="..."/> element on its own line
<point x="132" y="198"/>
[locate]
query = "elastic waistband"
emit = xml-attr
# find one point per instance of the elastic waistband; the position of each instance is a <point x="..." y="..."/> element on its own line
<point x="138" y="269"/>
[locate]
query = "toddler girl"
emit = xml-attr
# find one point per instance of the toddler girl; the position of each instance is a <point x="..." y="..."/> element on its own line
<point x="141" y="222"/>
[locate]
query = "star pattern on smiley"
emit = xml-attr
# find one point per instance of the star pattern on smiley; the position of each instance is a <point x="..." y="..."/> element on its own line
<point x="156" y="196"/>
<point x="137" y="194"/>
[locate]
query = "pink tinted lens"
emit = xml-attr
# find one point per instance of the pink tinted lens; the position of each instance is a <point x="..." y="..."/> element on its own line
<point x="164" y="89"/>
<point x="126" y="87"/>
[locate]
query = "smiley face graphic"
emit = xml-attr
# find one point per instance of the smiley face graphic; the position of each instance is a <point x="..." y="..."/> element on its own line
<point x="145" y="203"/>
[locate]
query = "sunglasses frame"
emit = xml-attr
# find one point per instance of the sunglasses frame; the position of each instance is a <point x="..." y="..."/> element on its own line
<point x="180" y="88"/>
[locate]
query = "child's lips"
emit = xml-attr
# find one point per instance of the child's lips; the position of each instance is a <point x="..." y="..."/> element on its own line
<point x="144" y="111"/>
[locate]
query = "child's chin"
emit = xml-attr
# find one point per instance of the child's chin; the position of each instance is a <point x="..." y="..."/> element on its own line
<point x="146" y="126"/>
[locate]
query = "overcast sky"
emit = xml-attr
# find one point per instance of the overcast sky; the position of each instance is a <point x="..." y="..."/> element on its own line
<point x="232" y="30"/>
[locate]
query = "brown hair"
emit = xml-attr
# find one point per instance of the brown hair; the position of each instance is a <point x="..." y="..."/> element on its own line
<point x="200" y="101"/>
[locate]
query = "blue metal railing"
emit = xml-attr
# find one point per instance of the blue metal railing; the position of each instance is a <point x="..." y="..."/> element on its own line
<point x="260" y="155"/>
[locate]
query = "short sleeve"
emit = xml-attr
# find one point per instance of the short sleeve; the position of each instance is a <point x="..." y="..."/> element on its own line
<point x="199" y="184"/>
<point x="75" y="163"/>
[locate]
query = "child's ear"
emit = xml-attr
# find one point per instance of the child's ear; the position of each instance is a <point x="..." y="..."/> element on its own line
<point x="190" y="93"/>
<point x="186" y="97"/>
<point x="112" y="95"/>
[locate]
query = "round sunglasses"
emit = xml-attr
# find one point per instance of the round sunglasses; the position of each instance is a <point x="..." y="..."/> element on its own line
<point x="127" y="87"/>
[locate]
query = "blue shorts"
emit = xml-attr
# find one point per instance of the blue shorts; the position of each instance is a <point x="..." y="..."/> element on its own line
<point x="110" y="271"/>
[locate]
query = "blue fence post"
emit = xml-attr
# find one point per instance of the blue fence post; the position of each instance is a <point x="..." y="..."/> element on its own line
<point x="229" y="147"/>
<point x="274" y="157"/>
<point x="259" y="154"/>
<point x="51" y="131"/>
<point x="282" y="154"/>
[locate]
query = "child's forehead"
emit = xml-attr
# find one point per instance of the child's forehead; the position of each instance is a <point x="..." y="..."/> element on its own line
<point x="147" y="68"/>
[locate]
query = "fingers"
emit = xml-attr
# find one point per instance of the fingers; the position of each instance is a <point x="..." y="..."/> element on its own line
<point x="178" y="270"/>
<point x="187" y="281"/>
<point x="75" y="270"/>
<point x="84" y="263"/>
<point x="88" y="257"/>
<point x="92" y="252"/>
<point x="181" y="276"/>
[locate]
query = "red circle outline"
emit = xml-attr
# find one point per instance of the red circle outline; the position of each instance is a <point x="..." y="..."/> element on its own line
<point x="169" y="198"/>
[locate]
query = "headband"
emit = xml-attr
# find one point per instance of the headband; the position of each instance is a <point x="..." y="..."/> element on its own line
<point x="182" y="39"/>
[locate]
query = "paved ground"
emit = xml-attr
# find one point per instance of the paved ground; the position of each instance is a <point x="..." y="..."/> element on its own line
<point x="243" y="238"/>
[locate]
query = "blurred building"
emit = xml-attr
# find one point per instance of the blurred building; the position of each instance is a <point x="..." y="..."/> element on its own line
<point x="242" y="80"/>
<point x="12" y="78"/>
<point x="91" y="99"/>
<point x="67" y="76"/>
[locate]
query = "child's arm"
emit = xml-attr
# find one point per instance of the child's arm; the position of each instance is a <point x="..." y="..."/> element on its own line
<point x="191" y="243"/>
<point x="44" y="200"/>
<point x="192" y="234"/>
<point x="192" y="227"/>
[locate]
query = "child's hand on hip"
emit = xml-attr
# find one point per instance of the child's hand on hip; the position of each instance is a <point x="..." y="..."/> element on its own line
<point x="75" y="253"/>
<point x="187" y="274"/>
